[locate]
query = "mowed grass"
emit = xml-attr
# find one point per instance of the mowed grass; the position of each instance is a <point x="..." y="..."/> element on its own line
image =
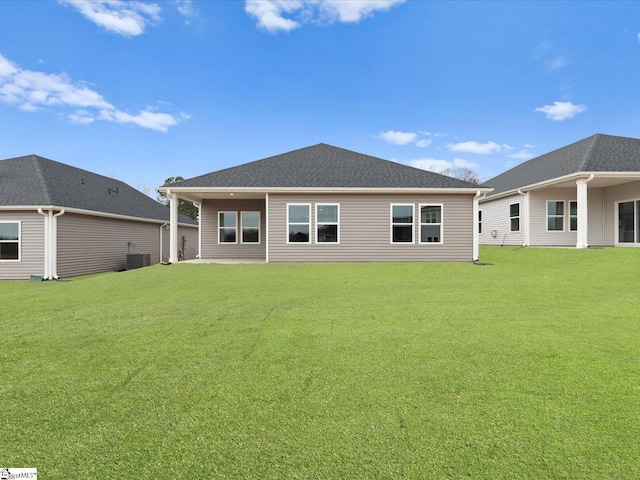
<point x="528" y="367"/>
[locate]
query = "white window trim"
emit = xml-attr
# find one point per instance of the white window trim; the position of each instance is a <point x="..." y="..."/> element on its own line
<point x="19" y="259"/>
<point x="220" y="227"/>
<point x="441" y="205"/>
<point x="413" y="223"/>
<point x="519" y="217"/>
<point x="242" y="242"/>
<point x="310" y="223"/>
<point x="564" y="216"/>
<point x="337" y="224"/>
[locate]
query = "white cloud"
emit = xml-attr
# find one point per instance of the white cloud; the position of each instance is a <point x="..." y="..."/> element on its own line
<point x="521" y="155"/>
<point x="475" y="147"/>
<point x="556" y="63"/>
<point x="431" y="164"/>
<point x="398" y="138"/>
<point x="639" y="38"/>
<point x="461" y="163"/>
<point x="126" y="18"/>
<point x="423" y="143"/>
<point x="272" y="14"/>
<point x="186" y="8"/>
<point x="561" y="110"/>
<point x="30" y="90"/>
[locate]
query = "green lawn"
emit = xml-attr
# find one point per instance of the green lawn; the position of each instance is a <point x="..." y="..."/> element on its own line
<point x="527" y="367"/>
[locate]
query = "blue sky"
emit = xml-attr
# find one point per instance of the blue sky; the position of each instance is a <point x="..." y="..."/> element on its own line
<point x="142" y="91"/>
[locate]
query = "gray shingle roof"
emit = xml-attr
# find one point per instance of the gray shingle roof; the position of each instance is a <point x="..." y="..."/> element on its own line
<point x="598" y="153"/>
<point x="321" y="166"/>
<point x="37" y="181"/>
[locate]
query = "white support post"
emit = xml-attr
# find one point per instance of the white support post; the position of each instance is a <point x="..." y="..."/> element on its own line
<point x="583" y="213"/>
<point x="173" y="228"/>
<point x="527" y="219"/>
<point x="476" y="236"/>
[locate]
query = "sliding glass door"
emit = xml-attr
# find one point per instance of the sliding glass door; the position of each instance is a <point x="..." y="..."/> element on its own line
<point x="629" y="222"/>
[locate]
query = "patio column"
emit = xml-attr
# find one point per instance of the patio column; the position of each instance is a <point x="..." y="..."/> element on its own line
<point x="173" y="227"/>
<point x="583" y="212"/>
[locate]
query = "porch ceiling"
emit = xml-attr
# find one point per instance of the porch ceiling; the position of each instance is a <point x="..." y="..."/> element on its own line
<point x="240" y="195"/>
<point x="597" y="182"/>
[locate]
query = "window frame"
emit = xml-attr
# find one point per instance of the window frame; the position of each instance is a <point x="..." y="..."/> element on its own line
<point x="479" y="221"/>
<point x="18" y="241"/>
<point x="441" y="224"/>
<point x="514" y="217"/>
<point x="571" y="229"/>
<point x="242" y="227"/>
<point x="336" y="223"/>
<point x="309" y="223"/>
<point x="413" y="223"/>
<point x="563" y="216"/>
<point x="221" y="212"/>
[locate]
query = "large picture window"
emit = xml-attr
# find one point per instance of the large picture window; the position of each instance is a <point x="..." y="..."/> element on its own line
<point x="9" y="240"/>
<point x="514" y="217"/>
<point x="555" y="216"/>
<point x="327" y="223"/>
<point x="298" y="223"/>
<point x="402" y="223"/>
<point x="430" y="223"/>
<point x="250" y="225"/>
<point x="228" y="227"/>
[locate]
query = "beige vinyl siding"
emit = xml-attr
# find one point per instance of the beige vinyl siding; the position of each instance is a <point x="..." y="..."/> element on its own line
<point x="365" y="229"/>
<point x="495" y="217"/>
<point x="209" y="229"/>
<point x="191" y="247"/>
<point x="31" y="246"/>
<point x="538" y="217"/>
<point x="619" y="193"/>
<point x="88" y="244"/>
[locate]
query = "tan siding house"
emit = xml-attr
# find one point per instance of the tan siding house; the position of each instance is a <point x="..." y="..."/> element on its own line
<point x="61" y="221"/>
<point x="584" y="194"/>
<point x="327" y="204"/>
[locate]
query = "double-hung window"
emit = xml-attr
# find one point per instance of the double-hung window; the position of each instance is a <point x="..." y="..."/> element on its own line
<point x="573" y="216"/>
<point x="327" y="223"/>
<point x="514" y="217"/>
<point x="555" y="216"/>
<point x="9" y="240"/>
<point x="430" y="223"/>
<point x="479" y="221"/>
<point x="228" y="227"/>
<point x="298" y="223"/>
<point x="250" y="226"/>
<point x="402" y="219"/>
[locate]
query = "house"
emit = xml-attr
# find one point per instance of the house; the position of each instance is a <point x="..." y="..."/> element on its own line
<point x="328" y="204"/>
<point x="584" y="194"/>
<point x="60" y="221"/>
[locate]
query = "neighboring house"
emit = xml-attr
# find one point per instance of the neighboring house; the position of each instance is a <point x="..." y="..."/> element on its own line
<point x="327" y="204"/>
<point x="61" y="221"/>
<point x="584" y="194"/>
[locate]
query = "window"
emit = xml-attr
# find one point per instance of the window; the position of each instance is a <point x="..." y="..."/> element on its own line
<point x="573" y="216"/>
<point x="298" y="223"/>
<point x="401" y="223"/>
<point x="9" y="240"/>
<point x="327" y="223"/>
<point x="555" y="216"/>
<point x="228" y="227"/>
<point x="514" y="217"/>
<point x="629" y="222"/>
<point x="430" y="223"/>
<point x="250" y="225"/>
<point x="479" y="221"/>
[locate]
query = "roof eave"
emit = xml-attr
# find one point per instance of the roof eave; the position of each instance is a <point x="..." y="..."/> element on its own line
<point x="325" y="190"/>
<point x="557" y="180"/>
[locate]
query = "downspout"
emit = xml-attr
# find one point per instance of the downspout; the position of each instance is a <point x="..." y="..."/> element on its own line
<point x="266" y="227"/>
<point x="164" y="225"/>
<point x="476" y="238"/>
<point x="526" y="233"/>
<point x="54" y="244"/>
<point x="46" y="242"/>
<point x="199" y="205"/>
